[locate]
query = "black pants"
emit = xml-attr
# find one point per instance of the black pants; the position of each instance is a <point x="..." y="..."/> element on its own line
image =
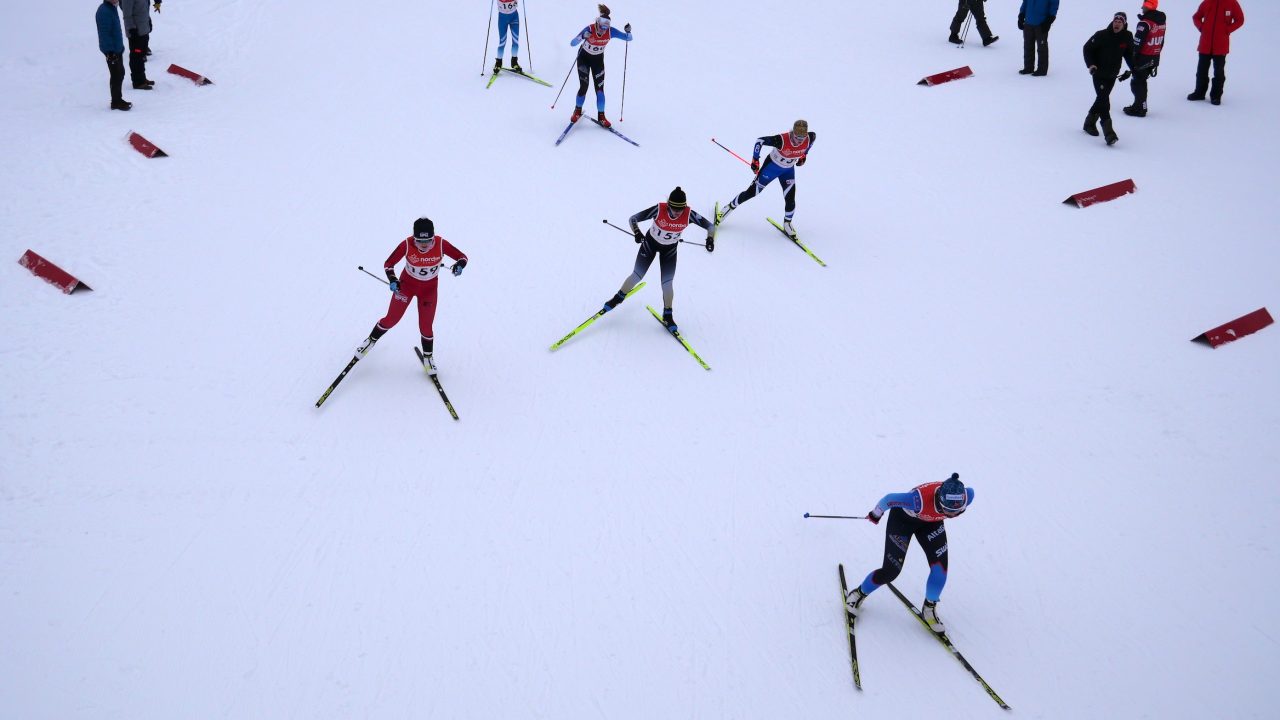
<point x="115" y="65"/>
<point x="589" y="66"/>
<point x="899" y="529"/>
<point x="1035" y="40"/>
<point x="666" y="255"/>
<point x="1219" y="75"/>
<point x="138" y="45"/>
<point x="1138" y="84"/>
<point x="963" y="8"/>
<point x="1102" y="84"/>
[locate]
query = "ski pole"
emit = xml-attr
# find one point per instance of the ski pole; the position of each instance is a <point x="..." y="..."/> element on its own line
<point x="964" y="35"/>
<point x="384" y="282"/>
<point x="528" y="45"/>
<point x="838" y="517"/>
<point x="624" y="230"/>
<point x="626" y="50"/>
<point x="566" y="82"/>
<point x="730" y="151"/>
<point x="487" y="30"/>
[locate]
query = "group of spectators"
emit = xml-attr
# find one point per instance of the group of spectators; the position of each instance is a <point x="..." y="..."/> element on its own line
<point x="1109" y="48"/>
<point x="136" y="26"/>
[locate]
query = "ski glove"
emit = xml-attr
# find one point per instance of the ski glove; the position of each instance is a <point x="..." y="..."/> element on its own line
<point x="1124" y="76"/>
<point x="802" y="159"/>
<point x="394" y="285"/>
<point x="873" y="517"/>
<point x="639" y="236"/>
<point x="157" y="5"/>
<point x="1049" y="21"/>
<point x="755" y="165"/>
<point x="626" y="28"/>
<point x="1022" y="21"/>
<point x="457" y="267"/>
<point x="711" y="243"/>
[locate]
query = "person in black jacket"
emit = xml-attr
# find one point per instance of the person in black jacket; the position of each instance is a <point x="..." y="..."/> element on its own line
<point x="1103" y="54"/>
<point x="1148" y="41"/>
<point x="963" y="8"/>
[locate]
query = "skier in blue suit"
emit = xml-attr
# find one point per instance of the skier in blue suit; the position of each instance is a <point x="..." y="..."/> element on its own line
<point x="508" y="20"/>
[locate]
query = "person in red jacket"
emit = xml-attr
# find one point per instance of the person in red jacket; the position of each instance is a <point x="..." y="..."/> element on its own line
<point x="422" y="253"/>
<point x="1216" y="20"/>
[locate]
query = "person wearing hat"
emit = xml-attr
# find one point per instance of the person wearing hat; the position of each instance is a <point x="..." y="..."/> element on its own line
<point x="1148" y="41"/>
<point x="1216" y="20"/>
<point x="1034" y="20"/>
<point x="137" y="26"/>
<point x="423" y="254"/>
<point x="593" y="39"/>
<point x="670" y="219"/>
<point x="790" y="150"/>
<point x="963" y="8"/>
<point x="1103" y="53"/>
<point x="111" y="44"/>
<point x="920" y="513"/>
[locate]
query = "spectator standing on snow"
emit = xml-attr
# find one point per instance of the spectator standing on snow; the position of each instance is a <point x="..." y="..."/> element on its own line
<point x="1103" y="53"/>
<point x="1034" y="19"/>
<point x="1216" y="20"/>
<point x="137" y="25"/>
<point x="111" y="43"/>
<point x="963" y="8"/>
<point x="1148" y="41"/>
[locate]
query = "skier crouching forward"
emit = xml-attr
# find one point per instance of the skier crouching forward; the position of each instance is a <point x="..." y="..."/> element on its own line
<point x="789" y="150"/>
<point x="663" y="240"/>
<point x="422" y="254"/>
<point x="919" y="512"/>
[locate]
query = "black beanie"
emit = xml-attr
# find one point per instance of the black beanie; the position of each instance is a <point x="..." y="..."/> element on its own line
<point x="424" y="228"/>
<point x="677" y="199"/>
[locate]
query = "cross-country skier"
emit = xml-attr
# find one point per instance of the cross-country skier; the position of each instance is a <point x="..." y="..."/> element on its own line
<point x="919" y="512"/>
<point x="789" y="150"/>
<point x="663" y="240"/>
<point x="593" y="39"/>
<point x="422" y="253"/>
<point x="508" y="19"/>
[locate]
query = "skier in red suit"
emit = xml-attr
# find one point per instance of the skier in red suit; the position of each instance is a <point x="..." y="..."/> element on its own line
<point x="423" y="253"/>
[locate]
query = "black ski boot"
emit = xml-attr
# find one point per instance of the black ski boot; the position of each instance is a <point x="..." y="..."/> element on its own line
<point x="614" y="301"/>
<point x="497" y="66"/>
<point x="669" y="321"/>
<point x="1109" y="133"/>
<point x="1134" y="111"/>
<point x="515" y="65"/>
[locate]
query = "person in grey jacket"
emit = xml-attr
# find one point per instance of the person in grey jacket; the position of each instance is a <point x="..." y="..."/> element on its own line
<point x="111" y="44"/>
<point x="137" y="25"/>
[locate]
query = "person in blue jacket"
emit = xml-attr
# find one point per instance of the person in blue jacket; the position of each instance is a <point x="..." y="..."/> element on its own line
<point x="593" y="39"/>
<point x="920" y="513"/>
<point x="111" y="43"/>
<point x="1034" y="19"/>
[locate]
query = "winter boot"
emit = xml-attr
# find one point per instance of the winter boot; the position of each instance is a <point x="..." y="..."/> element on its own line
<point x="954" y="39"/>
<point x="429" y="364"/>
<point x="515" y="64"/>
<point x="1091" y="123"/>
<point x="604" y="121"/>
<point x="144" y="85"/>
<point x="1025" y="71"/>
<point x="930" y="615"/>
<point x="577" y="113"/>
<point x="497" y="66"/>
<point x="669" y="321"/>
<point x="365" y="347"/>
<point x="990" y="40"/>
<point x="853" y="601"/>
<point x="1109" y="132"/>
<point x="725" y="210"/>
<point x="786" y="228"/>
<point x="1195" y="96"/>
<point x="614" y="301"/>
<point x="1134" y="111"/>
<point x="121" y="104"/>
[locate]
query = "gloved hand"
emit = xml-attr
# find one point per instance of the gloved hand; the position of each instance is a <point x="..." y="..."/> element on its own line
<point x="131" y="33"/>
<point x="1022" y="21"/>
<point x="394" y="285"/>
<point x="458" y="266"/>
<point x="626" y="28"/>
<point x="112" y="57"/>
<point x="711" y="243"/>
<point x="157" y="5"/>
<point x="638" y="235"/>
<point x="802" y="159"/>
<point x="1124" y="76"/>
<point x="755" y="165"/>
<point x="1048" y="22"/>
<point x="873" y="517"/>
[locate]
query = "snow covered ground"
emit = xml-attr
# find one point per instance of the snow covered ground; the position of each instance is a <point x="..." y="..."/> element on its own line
<point x="611" y="531"/>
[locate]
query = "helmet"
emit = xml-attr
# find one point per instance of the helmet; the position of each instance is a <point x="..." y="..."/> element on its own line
<point x="1150" y="4"/>
<point x="423" y="229"/>
<point x="951" y="496"/>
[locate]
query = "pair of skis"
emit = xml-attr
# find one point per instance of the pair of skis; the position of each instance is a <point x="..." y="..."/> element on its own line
<point x="793" y="238"/>
<point x="521" y="73"/>
<point x="355" y="359"/>
<point x="610" y="129"/>
<point x="676" y="333"/>
<point x="850" y="623"/>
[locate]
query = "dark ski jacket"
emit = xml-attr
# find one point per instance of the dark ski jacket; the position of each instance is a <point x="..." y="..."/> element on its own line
<point x="1148" y="21"/>
<point x="110" y="39"/>
<point x="1035" y="12"/>
<point x="1106" y="49"/>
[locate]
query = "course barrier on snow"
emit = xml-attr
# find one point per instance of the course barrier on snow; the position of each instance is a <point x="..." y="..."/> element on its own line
<point x="948" y="76"/>
<point x="1236" y="329"/>
<point x="1101" y="194"/>
<point x="50" y="273"/>
<point x="194" y="77"/>
<point x="145" y="146"/>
